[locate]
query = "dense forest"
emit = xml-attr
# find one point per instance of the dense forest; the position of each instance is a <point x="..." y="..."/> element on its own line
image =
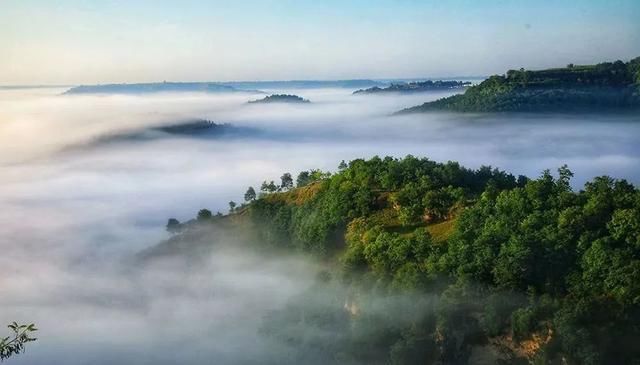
<point x="413" y="87"/>
<point x="605" y="86"/>
<point x="434" y="263"/>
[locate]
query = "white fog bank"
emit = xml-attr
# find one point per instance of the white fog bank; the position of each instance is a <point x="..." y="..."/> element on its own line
<point x="72" y="212"/>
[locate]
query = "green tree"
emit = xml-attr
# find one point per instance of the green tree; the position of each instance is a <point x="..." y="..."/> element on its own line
<point x="438" y="203"/>
<point x="204" y="215"/>
<point x="269" y="187"/>
<point x="15" y="344"/>
<point x="286" y="181"/>
<point x="303" y="179"/>
<point x="409" y="203"/>
<point x="232" y="206"/>
<point x="250" y="195"/>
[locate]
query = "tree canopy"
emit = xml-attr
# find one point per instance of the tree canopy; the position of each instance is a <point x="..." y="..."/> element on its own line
<point x="491" y="258"/>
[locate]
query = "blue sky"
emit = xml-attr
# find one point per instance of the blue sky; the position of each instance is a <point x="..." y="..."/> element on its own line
<point x="96" y="41"/>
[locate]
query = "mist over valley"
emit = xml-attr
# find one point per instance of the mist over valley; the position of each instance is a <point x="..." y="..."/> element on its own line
<point x="89" y="182"/>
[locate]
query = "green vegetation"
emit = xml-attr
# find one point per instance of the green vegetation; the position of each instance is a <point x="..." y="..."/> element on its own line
<point x="434" y="263"/>
<point x="197" y="126"/>
<point x="14" y="344"/>
<point x="412" y="87"/>
<point x="605" y="86"/>
<point x="280" y="98"/>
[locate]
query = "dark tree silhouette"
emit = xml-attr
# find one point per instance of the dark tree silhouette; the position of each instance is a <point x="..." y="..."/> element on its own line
<point x="250" y="195"/>
<point x="173" y="225"/>
<point x="287" y="181"/>
<point x="204" y="214"/>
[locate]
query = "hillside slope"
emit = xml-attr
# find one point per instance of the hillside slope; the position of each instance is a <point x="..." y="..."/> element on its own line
<point x="471" y="265"/>
<point x="601" y="87"/>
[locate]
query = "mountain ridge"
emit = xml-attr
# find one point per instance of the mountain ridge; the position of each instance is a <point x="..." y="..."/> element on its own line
<point x="605" y="86"/>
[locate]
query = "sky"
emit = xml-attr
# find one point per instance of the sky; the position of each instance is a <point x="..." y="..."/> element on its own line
<point x="101" y="41"/>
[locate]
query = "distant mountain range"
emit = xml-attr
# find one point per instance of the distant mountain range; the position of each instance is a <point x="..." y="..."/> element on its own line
<point x="361" y="85"/>
<point x="413" y="87"/>
<point x="305" y="84"/>
<point x="26" y="87"/>
<point x="155" y="87"/>
<point x="212" y="87"/>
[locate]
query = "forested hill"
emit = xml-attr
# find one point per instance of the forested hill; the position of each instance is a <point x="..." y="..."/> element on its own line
<point x="195" y="128"/>
<point x="605" y="86"/>
<point x="280" y="98"/>
<point x="500" y="269"/>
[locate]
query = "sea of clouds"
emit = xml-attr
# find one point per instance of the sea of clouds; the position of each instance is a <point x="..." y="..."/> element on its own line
<point x="73" y="211"/>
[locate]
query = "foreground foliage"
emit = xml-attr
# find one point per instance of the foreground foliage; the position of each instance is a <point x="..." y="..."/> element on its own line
<point x="521" y="270"/>
<point x="15" y="344"/>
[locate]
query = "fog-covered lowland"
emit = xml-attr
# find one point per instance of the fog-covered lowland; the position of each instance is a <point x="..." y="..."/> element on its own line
<point x="77" y="212"/>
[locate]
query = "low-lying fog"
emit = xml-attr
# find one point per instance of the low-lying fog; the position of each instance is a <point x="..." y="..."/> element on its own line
<point x="71" y="212"/>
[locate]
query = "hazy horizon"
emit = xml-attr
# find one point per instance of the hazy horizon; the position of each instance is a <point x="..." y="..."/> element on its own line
<point x="90" y="42"/>
<point x="417" y="78"/>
